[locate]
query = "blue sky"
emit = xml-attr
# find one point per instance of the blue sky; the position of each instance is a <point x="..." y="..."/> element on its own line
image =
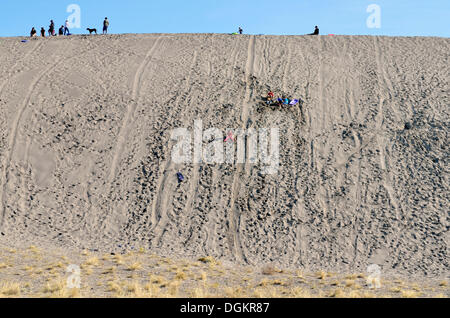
<point x="398" y="17"/>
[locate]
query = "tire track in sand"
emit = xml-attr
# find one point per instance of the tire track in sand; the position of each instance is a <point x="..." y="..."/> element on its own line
<point x="300" y="249"/>
<point x="321" y="149"/>
<point x="34" y="49"/>
<point x="386" y="174"/>
<point x="234" y="241"/>
<point x="164" y="189"/>
<point x="213" y="221"/>
<point x="195" y="180"/>
<point x="130" y="111"/>
<point x="387" y="177"/>
<point x="2" y="87"/>
<point x="234" y="54"/>
<point x="13" y="135"/>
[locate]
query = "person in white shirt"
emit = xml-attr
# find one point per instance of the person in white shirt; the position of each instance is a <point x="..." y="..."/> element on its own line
<point x="66" y="28"/>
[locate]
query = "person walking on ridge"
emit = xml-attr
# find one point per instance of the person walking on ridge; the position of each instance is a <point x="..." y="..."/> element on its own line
<point x="105" y="26"/>
<point x="66" y="28"/>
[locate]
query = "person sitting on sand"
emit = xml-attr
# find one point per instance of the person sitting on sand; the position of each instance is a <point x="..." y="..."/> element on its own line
<point x="61" y="30"/>
<point x="286" y="101"/>
<point x="280" y="101"/>
<point x="43" y="32"/>
<point x="316" y="31"/>
<point x="33" y="32"/>
<point x="270" y="97"/>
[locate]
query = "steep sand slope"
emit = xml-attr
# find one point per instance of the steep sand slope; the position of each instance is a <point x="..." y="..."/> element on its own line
<point x="85" y="159"/>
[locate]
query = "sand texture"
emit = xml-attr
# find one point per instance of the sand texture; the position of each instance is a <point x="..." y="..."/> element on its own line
<point x="85" y="148"/>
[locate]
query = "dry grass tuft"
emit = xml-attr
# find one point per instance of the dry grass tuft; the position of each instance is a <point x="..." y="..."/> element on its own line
<point x="199" y="292"/>
<point x="321" y="275"/>
<point x="410" y="294"/>
<point x="234" y="292"/>
<point x="10" y="289"/>
<point x="180" y="275"/>
<point x="299" y="292"/>
<point x="270" y="270"/>
<point x="395" y="290"/>
<point x="93" y="261"/>
<point x="349" y="283"/>
<point x="135" y="289"/>
<point x="337" y="293"/>
<point x="208" y="260"/>
<point x="114" y="287"/>
<point x="135" y="266"/>
<point x="109" y="270"/>
<point x="52" y="287"/>
<point x="118" y="259"/>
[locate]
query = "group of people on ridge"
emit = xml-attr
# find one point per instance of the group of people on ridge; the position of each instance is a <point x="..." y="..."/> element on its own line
<point x="64" y="29"/>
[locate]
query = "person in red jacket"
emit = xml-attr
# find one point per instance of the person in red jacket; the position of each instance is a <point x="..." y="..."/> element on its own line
<point x="270" y="96"/>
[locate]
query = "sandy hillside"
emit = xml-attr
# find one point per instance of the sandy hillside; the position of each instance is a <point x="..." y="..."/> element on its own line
<point x="85" y="148"/>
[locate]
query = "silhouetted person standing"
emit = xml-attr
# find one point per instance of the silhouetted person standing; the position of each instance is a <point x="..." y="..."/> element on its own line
<point x="105" y="26"/>
<point x="316" y="31"/>
<point x="51" y="29"/>
<point x="240" y="30"/>
<point x="43" y="32"/>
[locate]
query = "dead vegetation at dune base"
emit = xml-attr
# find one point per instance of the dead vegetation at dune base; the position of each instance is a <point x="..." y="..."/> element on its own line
<point x="33" y="272"/>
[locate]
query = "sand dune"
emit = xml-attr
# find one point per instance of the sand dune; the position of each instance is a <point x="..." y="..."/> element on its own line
<point x="85" y="148"/>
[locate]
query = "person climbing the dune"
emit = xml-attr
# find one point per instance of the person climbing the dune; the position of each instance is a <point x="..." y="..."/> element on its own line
<point x="33" y="32"/>
<point x="316" y="31"/>
<point x="105" y="26"/>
